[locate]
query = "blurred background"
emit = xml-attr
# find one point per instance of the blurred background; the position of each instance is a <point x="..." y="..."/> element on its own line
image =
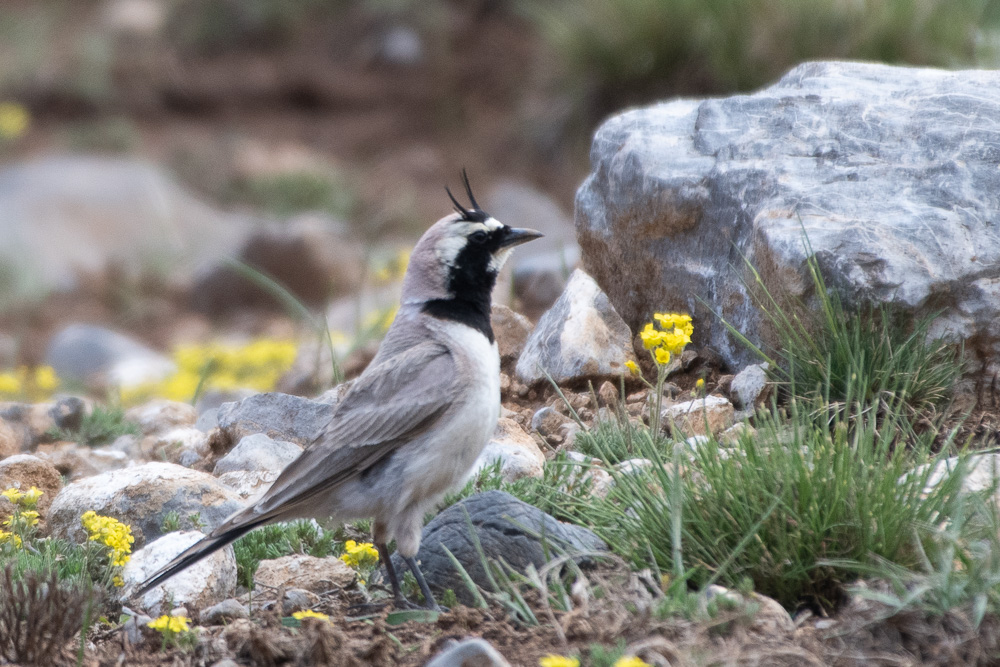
<point x="188" y="171"/>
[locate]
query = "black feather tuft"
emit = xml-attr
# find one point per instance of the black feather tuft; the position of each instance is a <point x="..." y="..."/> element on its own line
<point x="474" y="214"/>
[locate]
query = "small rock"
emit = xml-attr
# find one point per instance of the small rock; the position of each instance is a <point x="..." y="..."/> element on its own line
<point x="515" y="449"/>
<point x="689" y="418"/>
<point x="749" y="387"/>
<point x="279" y="416"/>
<point x="30" y="423"/>
<point x="771" y="618"/>
<point x="219" y="614"/>
<point x="23" y="471"/>
<point x="608" y="394"/>
<point x="471" y="652"/>
<point x="401" y="46"/>
<point x="297" y="599"/>
<point x="317" y="575"/>
<point x="250" y="485"/>
<point x="634" y="466"/>
<point x="184" y="442"/>
<point x="511" y="330"/>
<point x="142" y="497"/>
<point x="10" y="440"/>
<point x="732" y="435"/>
<point x="580" y="337"/>
<point x="135" y="626"/>
<point x="507" y="528"/>
<point x="206" y="583"/>
<point x="547" y="421"/>
<point x="68" y="413"/>
<point x="75" y="461"/>
<point x="982" y="473"/>
<point x="258" y="453"/>
<point x="101" y="358"/>
<point x="160" y="416"/>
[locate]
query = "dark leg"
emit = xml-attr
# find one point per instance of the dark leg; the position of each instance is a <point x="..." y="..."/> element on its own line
<point x="424" y="588"/>
<point x="397" y="592"/>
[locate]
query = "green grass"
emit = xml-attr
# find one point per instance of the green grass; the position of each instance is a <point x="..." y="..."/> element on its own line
<point x="871" y="352"/>
<point x="76" y="564"/>
<point x="612" y="441"/>
<point x="287" y="193"/>
<point x="281" y="539"/>
<point x="104" y="424"/>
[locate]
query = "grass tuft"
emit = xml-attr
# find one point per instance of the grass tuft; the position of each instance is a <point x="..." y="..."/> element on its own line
<point x="280" y="539"/>
<point x="103" y="425"/>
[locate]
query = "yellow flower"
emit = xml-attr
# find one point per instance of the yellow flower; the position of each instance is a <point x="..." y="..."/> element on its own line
<point x="170" y="624"/>
<point x="10" y="385"/>
<point x="552" y="660"/>
<point x="662" y="356"/>
<point x="700" y="384"/>
<point x="7" y="536"/>
<point x="112" y="533"/>
<point x="117" y="581"/>
<point x="12" y="494"/>
<point x="30" y="497"/>
<point x="630" y="661"/>
<point x="31" y="516"/>
<point x="650" y="336"/>
<point x="46" y="379"/>
<point x="309" y="613"/>
<point x="357" y="555"/>
<point x="14" y="120"/>
<point x="632" y="367"/>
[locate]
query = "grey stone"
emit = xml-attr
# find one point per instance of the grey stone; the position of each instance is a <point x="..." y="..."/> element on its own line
<point x="515" y="449"/>
<point x="317" y="575"/>
<point x="68" y="412"/>
<point x="227" y="610"/>
<point x="311" y="256"/>
<point x="401" y="46"/>
<point x="548" y="421"/>
<point x="891" y="171"/>
<point x="161" y="416"/>
<point x="98" y="357"/>
<point x="471" y="652"/>
<point x="748" y="388"/>
<point x="506" y="528"/>
<point x="711" y="414"/>
<point x="206" y="583"/>
<point x="580" y="337"/>
<point x="134" y="627"/>
<point x="279" y="416"/>
<point x="258" y="452"/>
<point x="250" y="486"/>
<point x="142" y="497"/>
<point x="70" y="216"/>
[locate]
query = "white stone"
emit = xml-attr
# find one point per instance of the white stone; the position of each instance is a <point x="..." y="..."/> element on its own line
<point x="249" y="484"/>
<point x="161" y="415"/>
<point x="749" y="385"/>
<point x="317" y="575"/>
<point x="258" y="453"/>
<point x="207" y="582"/>
<point x="515" y="449"/>
<point x="690" y="417"/>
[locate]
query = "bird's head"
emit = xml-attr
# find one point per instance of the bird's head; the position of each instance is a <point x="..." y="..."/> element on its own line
<point x="460" y="256"/>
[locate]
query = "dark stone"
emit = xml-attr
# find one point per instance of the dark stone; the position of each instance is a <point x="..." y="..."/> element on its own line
<point x="68" y="413"/>
<point x="507" y="529"/>
<point x="278" y="416"/>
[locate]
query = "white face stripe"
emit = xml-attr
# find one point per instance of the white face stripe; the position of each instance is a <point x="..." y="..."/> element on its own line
<point x="448" y="248"/>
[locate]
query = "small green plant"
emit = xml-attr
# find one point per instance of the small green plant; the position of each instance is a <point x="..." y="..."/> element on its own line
<point x="171" y="522"/>
<point x="287" y="193"/>
<point x="281" y="539"/>
<point x="870" y="353"/>
<point x="101" y="426"/>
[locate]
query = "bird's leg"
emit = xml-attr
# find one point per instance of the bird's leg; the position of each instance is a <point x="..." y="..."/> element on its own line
<point x="397" y="593"/>
<point x="411" y="562"/>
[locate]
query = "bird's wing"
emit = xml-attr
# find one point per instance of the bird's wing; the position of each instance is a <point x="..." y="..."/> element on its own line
<point x="389" y="405"/>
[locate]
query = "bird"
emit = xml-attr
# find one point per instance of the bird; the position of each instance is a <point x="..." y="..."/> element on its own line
<point x="412" y="425"/>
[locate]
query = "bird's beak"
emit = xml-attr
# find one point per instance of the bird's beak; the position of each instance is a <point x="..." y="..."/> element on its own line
<point x="517" y="236"/>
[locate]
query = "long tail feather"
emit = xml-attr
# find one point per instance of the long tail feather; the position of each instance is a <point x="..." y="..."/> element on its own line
<point x="200" y="549"/>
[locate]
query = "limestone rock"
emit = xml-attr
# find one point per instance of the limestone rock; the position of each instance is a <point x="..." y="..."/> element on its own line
<point x="184" y="445"/>
<point x="142" y="497"/>
<point x="470" y="652"/>
<point x="506" y="527"/>
<point x="75" y="461"/>
<point x="207" y="582"/>
<point x="516" y="450"/>
<point x="279" y="416"/>
<point x="249" y="485"/>
<point x="313" y="574"/>
<point x="689" y="417"/>
<point x="891" y="171"/>
<point x="229" y="609"/>
<point x="580" y="337"/>
<point x="749" y="388"/>
<point x="102" y="358"/>
<point x="258" y="453"/>
<point x="161" y="415"/>
<point x="10" y="440"/>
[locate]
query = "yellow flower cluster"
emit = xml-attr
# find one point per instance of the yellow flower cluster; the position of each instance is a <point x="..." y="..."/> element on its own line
<point x="14" y="120"/>
<point x="359" y="555"/>
<point x="552" y="660"/>
<point x="170" y="624"/>
<point x="670" y="339"/>
<point x="257" y="365"/>
<point x="309" y="613"/>
<point x="111" y="533"/>
<point x="630" y="661"/>
<point x="26" y="499"/>
<point x="7" y="537"/>
<point x="31" y="384"/>
<point x="23" y="519"/>
<point x="394" y="269"/>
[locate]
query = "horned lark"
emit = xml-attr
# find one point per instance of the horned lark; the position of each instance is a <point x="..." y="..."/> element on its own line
<point x="413" y="424"/>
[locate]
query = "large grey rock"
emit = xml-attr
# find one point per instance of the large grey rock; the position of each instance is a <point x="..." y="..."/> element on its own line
<point x="506" y="527"/>
<point x="279" y="416"/>
<point x="67" y="216"/>
<point x="580" y="337"/>
<point x="92" y="355"/>
<point x="258" y="453"/>
<point x="891" y="171"/>
<point x="142" y="497"/>
<point x="206" y="583"/>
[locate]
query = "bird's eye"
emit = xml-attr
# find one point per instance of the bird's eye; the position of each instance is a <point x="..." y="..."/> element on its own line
<point x="478" y="237"/>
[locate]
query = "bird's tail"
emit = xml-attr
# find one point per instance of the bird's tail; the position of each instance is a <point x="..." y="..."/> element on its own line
<point x="206" y="546"/>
